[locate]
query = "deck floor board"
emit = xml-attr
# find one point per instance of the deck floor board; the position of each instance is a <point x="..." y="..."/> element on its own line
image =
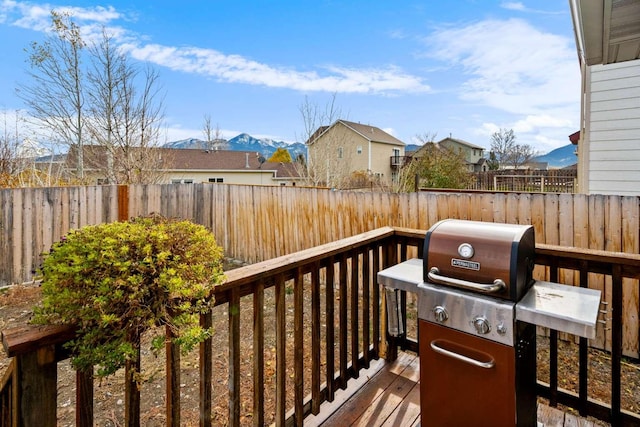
<point x="388" y="395"/>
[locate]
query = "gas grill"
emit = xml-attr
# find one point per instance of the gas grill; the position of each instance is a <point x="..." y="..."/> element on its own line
<point x="478" y="307"/>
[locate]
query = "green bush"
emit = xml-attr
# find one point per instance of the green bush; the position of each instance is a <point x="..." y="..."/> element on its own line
<point x="116" y="281"/>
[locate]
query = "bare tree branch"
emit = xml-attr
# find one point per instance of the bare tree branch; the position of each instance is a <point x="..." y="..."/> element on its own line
<point x="56" y="97"/>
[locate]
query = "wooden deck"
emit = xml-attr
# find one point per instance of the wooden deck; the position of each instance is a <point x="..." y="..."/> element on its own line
<point x="389" y="395"/>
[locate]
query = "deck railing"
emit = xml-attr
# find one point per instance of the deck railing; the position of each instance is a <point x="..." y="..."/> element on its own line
<point x="326" y="302"/>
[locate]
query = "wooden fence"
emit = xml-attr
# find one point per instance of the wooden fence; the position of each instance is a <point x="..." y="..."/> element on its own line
<point x="254" y="223"/>
<point x="543" y="181"/>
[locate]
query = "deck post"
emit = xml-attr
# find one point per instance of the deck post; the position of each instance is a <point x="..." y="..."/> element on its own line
<point x="37" y="387"/>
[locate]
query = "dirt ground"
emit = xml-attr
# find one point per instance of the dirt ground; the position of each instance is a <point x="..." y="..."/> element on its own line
<point x="16" y="307"/>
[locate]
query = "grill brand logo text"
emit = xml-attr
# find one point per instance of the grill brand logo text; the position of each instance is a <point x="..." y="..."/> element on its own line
<point x="463" y="263"/>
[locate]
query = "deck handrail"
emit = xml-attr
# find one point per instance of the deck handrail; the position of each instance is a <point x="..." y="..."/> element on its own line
<point x="356" y="336"/>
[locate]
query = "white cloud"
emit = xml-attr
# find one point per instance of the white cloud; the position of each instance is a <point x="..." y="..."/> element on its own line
<point x="535" y="122"/>
<point x="487" y="129"/>
<point x="520" y="7"/>
<point x="512" y="66"/>
<point x="237" y="69"/>
<point x="512" y="5"/>
<point x="38" y="16"/>
<point x="529" y="78"/>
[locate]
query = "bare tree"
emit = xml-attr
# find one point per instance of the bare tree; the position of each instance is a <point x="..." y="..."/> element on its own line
<point x="522" y="154"/>
<point x="11" y="163"/>
<point x="503" y="143"/>
<point x="212" y="135"/>
<point x="56" y="97"/>
<point x="147" y="165"/>
<point x="327" y="165"/>
<point x="124" y="121"/>
<point x="109" y="71"/>
<point x="505" y="151"/>
<point x="107" y="112"/>
<point x="23" y="161"/>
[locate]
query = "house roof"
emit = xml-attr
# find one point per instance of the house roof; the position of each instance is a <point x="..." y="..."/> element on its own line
<point x="371" y="133"/>
<point x="607" y="31"/>
<point x="461" y="142"/>
<point x="225" y="160"/>
<point x="575" y="137"/>
<point x="183" y="159"/>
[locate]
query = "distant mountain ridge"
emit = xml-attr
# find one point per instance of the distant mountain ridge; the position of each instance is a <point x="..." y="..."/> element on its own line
<point x="242" y="142"/>
<point x="560" y="157"/>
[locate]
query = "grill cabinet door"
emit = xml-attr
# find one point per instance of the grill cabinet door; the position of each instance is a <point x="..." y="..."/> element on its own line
<point x="457" y="393"/>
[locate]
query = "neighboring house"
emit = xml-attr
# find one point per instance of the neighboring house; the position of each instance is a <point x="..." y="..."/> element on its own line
<point x="536" y="166"/>
<point x="338" y="151"/>
<point x="472" y="154"/>
<point x="198" y="165"/>
<point x="229" y="167"/>
<point x="608" y="43"/>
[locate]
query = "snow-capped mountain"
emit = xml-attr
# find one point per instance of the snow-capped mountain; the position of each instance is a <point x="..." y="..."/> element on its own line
<point x="560" y="157"/>
<point x="242" y="142"/>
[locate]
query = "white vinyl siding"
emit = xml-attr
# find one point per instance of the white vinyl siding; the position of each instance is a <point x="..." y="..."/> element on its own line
<point x="614" y="129"/>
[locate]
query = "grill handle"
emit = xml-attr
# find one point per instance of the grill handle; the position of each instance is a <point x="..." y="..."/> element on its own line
<point x="486" y="365"/>
<point x="497" y="285"/>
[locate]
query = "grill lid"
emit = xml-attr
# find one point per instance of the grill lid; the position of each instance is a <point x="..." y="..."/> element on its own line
<point x="483" y="257"/>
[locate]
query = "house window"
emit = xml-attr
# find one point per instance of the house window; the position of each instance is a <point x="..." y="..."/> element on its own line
<point x="359" y="149"/>
<point x="218" y="180"/>
<point x="182" y="181"/>
<point x="396" y="156"/>
<point x="339" y="152"/>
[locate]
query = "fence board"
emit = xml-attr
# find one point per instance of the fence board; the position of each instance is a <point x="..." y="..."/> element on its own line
<point x="524" y="209"/>
<point x="28" y="219"/>
<point x="17" y="233"/>
<point x="6" y="229"/>
<point x="511" y="208"/>
<point x="630" y="327"/>
<point x="499" y="208"/>
<point x="431" y="209"/>
<point x="565" y="231"/>
<point x="630" y="243"/>
<point x="612" y="243"/>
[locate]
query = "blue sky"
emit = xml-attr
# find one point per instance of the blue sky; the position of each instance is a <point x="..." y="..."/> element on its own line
<point x="460" y="67"/>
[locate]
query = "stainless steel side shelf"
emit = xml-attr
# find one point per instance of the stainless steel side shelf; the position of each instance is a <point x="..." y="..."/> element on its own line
<point x="404" y="276"/>
<point x="564" y="308"/>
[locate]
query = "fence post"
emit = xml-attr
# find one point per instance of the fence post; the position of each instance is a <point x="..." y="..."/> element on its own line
<point x="123" y="202"/>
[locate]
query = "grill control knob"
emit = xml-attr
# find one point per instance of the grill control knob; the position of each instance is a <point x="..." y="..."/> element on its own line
<point x="482" y="325"/>
<point x="440" y="314"/>
<point x="502" y="329"/>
